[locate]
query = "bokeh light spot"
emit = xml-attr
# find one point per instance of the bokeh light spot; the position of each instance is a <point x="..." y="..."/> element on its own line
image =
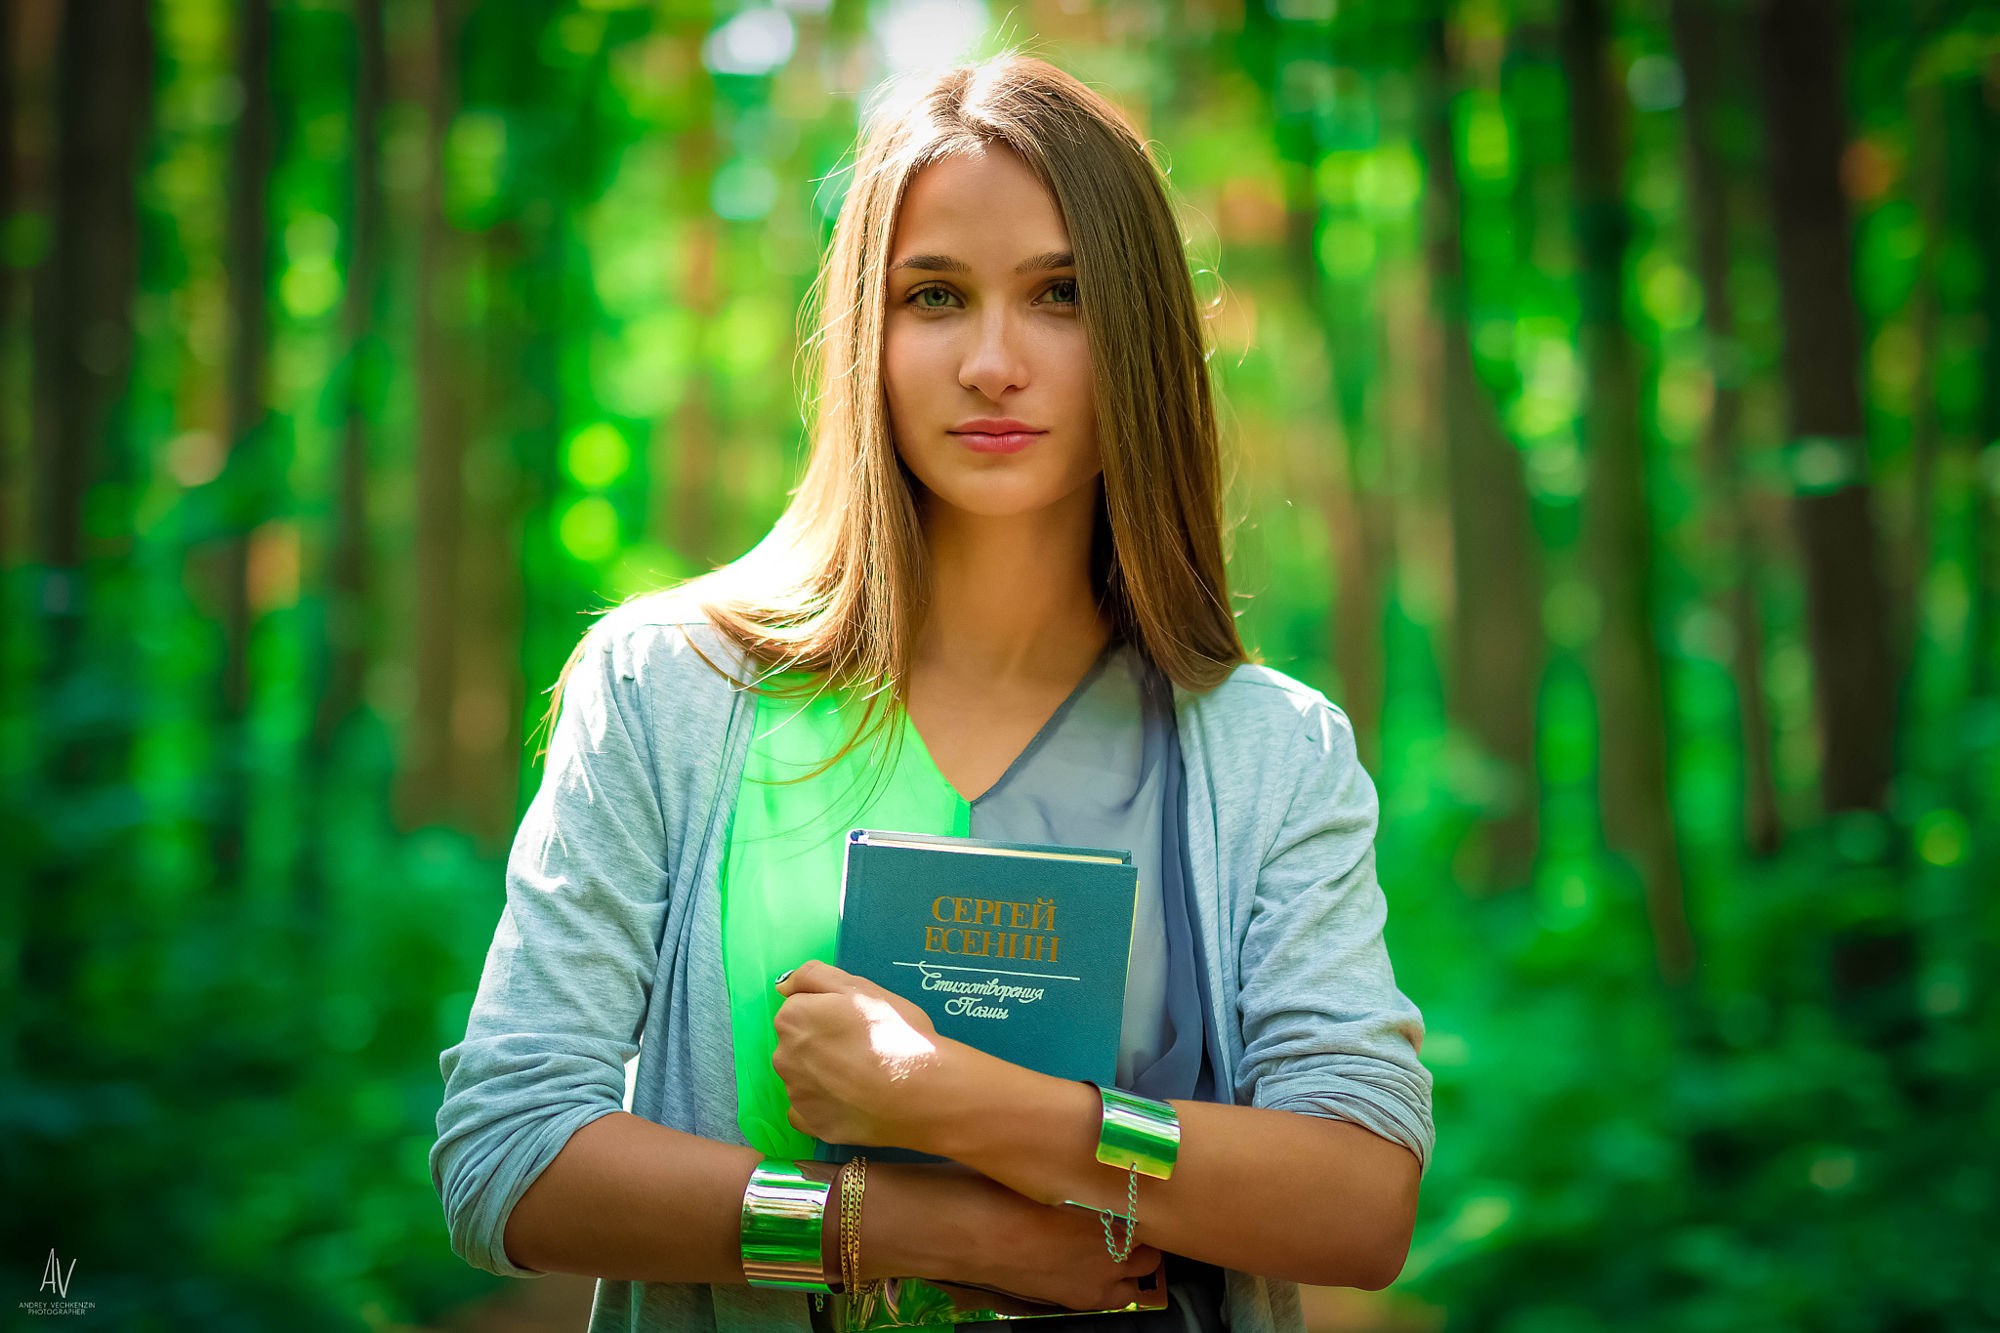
<point x="597" y="455"/>
<point x="588" y="529"/>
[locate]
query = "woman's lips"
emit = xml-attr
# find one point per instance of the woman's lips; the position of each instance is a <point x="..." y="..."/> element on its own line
<point x="1011" y="442"/>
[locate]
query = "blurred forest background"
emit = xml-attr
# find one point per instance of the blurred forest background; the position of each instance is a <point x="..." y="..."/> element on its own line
<point x="1617" y="414"/>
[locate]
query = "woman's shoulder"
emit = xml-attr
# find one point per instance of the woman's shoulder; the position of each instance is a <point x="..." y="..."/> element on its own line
<point x="1258" y="706"/>
<point x="1276" y="752"/>
<point x="665" y="641"/>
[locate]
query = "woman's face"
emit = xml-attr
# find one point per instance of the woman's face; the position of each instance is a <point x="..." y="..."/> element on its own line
<point x="982" y="329"/>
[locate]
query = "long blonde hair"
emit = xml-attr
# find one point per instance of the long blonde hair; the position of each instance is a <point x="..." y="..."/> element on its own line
<point x="838" y="587"/>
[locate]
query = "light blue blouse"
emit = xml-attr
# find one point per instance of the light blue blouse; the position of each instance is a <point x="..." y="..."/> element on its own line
<point x="608" y="947"/>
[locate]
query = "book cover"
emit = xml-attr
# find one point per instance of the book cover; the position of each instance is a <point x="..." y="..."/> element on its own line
<point x="1018" y="949"/>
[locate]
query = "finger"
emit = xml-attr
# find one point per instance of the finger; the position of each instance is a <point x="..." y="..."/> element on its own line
<point x="1116" y="1297"/>
<point x="831" y="980"/>
<point x="1143" y="1259"/>
<point x="814" y="976"/>
<point x="793" y="1011"/>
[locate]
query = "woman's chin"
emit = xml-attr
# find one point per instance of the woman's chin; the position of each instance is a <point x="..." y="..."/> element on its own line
<point x="994" y="495"/>
<point x="994" y="506"/>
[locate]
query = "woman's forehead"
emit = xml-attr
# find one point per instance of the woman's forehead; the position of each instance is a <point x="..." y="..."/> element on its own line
<point x="984" y="210"/>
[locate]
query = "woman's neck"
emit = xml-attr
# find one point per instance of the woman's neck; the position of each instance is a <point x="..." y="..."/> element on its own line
<point x="1011" y="598"/>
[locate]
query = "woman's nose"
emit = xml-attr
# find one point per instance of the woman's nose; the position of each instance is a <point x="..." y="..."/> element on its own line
<point x="995" y="360"/>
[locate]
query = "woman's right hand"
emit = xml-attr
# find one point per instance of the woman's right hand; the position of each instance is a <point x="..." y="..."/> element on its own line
<point x="989" y="1236"/>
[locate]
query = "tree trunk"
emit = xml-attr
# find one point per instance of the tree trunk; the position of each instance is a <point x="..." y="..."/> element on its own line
<point x="348" y="568"/>
<point x="1355" y="531"/>
<point x="486" y="711"/>
<point x="1872" y="963"/>
<point x="1493" y="675"/>
<point x="9" y="616"/>
<point x="1983" y="631"/>
<point x="682" y="452"/>
<point x="13" y="610"/>
<point x="429" y="792"/>
<point x="1928" y="132"/>
<point x="1358" y="526"/>
<point x="1360" y="542"/>
<point x="347" y="631"/>
<point x="1846" y="611"/>
<point x="1706" y="50"/>
<point x="246" y="403"/>
<point x="1618" y="538"/>
<point x="103" y="83"/>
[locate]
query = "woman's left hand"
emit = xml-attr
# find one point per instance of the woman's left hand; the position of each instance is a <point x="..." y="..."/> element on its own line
<point x="861" y="1065"/>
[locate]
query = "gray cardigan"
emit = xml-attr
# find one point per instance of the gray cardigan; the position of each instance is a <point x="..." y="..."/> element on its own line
<point x="611" y="934"/>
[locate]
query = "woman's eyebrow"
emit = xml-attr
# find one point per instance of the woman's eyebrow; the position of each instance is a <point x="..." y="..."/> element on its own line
<point x="946" y="264"/>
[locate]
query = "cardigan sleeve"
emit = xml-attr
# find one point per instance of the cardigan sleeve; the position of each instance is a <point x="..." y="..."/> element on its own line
<point x="564" y="992"/>
<point x="1325" y="1030"/>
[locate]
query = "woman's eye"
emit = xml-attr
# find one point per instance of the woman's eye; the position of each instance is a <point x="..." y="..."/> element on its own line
<point x="1061" y="292"/>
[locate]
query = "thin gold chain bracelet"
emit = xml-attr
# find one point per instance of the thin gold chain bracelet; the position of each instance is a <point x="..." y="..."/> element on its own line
<point x="853" y="1183"/>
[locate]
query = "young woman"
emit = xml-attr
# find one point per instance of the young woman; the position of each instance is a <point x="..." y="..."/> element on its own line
<point x="996" y="606"/>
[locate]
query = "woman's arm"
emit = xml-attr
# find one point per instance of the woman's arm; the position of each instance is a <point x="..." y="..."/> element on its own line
<point x="1277" y="1193"/>
<point x="630" y="1200"/>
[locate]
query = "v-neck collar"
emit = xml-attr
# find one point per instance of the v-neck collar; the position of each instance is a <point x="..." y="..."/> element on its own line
<point x="1047" y="728"/>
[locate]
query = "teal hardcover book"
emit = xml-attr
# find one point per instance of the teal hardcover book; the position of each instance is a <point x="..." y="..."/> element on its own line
<point x="1018" y="949"/>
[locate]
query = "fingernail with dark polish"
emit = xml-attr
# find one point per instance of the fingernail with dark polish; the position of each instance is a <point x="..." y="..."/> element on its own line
<point x="781" y="980"/>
